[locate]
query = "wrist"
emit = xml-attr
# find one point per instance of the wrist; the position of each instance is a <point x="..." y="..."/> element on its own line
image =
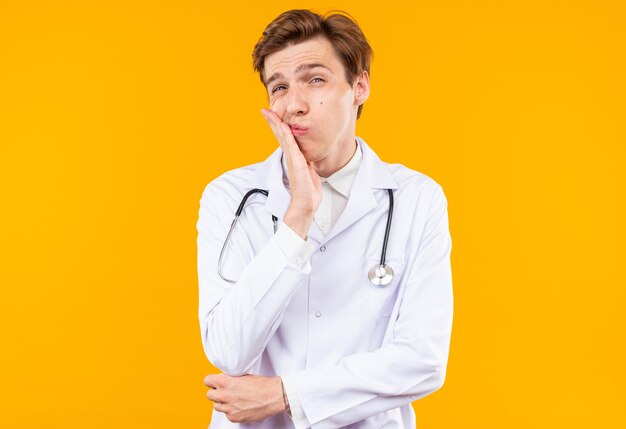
<point x="285" y="400"/>
<point x="299" y="221"/>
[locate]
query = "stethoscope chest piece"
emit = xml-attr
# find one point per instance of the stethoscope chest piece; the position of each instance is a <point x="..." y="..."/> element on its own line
<point x="380" y="275"/>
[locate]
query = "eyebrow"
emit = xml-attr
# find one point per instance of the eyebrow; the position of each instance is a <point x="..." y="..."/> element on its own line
<point x="299" y="69"/>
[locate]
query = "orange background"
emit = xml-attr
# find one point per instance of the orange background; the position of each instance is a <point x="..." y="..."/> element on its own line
<point x="114" y="116"/>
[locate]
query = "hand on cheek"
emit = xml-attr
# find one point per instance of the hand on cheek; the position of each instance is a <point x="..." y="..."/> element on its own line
<point x="305" y="184"/>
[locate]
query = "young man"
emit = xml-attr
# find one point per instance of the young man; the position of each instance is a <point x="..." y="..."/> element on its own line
<point x="322" y="328"/>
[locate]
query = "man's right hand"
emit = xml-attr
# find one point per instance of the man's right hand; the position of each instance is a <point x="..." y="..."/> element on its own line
<point x="306" y="189"/>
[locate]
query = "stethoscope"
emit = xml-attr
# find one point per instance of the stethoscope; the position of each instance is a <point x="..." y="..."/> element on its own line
<point x="380" y="274"/>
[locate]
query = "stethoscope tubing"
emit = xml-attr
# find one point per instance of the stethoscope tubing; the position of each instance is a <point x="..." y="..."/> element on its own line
<point x="234" y="223"/>
<point x="383" y="254"/>
<point x="379" y="275"/>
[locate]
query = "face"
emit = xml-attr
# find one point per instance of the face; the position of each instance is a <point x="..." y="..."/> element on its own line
<point x="307" y="89"/>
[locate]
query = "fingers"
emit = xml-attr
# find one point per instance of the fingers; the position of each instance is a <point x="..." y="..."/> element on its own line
<point x="222" y="408"/>
<point x="286" y="139"/>
<point x="218" y="396"/>
<point x="273" y="120"/>
<point x="217" y="380"/>
<point x="275" y="124"/>
<point x="219" y="403"/>
<point x="210" y="380"/>
<point x="214" y="395"/>
<point x="281" y="130"/>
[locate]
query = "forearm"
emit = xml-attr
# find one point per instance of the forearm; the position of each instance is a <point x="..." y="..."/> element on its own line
<point x="365" y="384"/>
<point x="237" y="327"/>
<point x="374" y="406"/>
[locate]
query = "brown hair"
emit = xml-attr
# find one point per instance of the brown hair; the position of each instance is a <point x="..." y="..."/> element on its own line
<point x="299" y="25"/>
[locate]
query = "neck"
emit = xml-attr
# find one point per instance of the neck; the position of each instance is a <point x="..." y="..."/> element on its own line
<point x="335" y="160"/>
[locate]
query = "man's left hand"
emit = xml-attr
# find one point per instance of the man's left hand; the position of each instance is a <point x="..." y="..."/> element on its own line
<point x="247" y="398"/>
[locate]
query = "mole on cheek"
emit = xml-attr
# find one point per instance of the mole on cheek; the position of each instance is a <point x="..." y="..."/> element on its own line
<point x="321" y="102"/>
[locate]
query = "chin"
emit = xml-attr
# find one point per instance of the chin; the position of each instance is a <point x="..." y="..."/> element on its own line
<point x="309" y="150"/>
<point x="313" y="155"/>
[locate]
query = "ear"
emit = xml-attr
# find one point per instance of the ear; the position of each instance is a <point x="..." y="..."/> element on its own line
<point x="361" y="88"/>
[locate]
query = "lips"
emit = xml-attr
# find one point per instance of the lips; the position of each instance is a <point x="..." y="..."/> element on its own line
<point x="298" y="131"/>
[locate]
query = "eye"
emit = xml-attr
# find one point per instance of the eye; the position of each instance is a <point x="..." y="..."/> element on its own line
<point x="317" y="78"/>
<point x="276" y="88"/>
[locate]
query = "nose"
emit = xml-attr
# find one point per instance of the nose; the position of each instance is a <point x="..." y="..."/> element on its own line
<point x="296" y="103"/>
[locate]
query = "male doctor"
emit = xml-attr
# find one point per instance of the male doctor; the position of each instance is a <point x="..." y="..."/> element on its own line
<point x="288" y="308"/>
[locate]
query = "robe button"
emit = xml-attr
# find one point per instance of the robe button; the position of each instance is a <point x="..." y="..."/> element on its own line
<point x="318" y="314"/>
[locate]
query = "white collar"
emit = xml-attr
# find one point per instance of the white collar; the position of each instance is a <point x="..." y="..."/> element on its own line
<point x="342" y="179"/>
